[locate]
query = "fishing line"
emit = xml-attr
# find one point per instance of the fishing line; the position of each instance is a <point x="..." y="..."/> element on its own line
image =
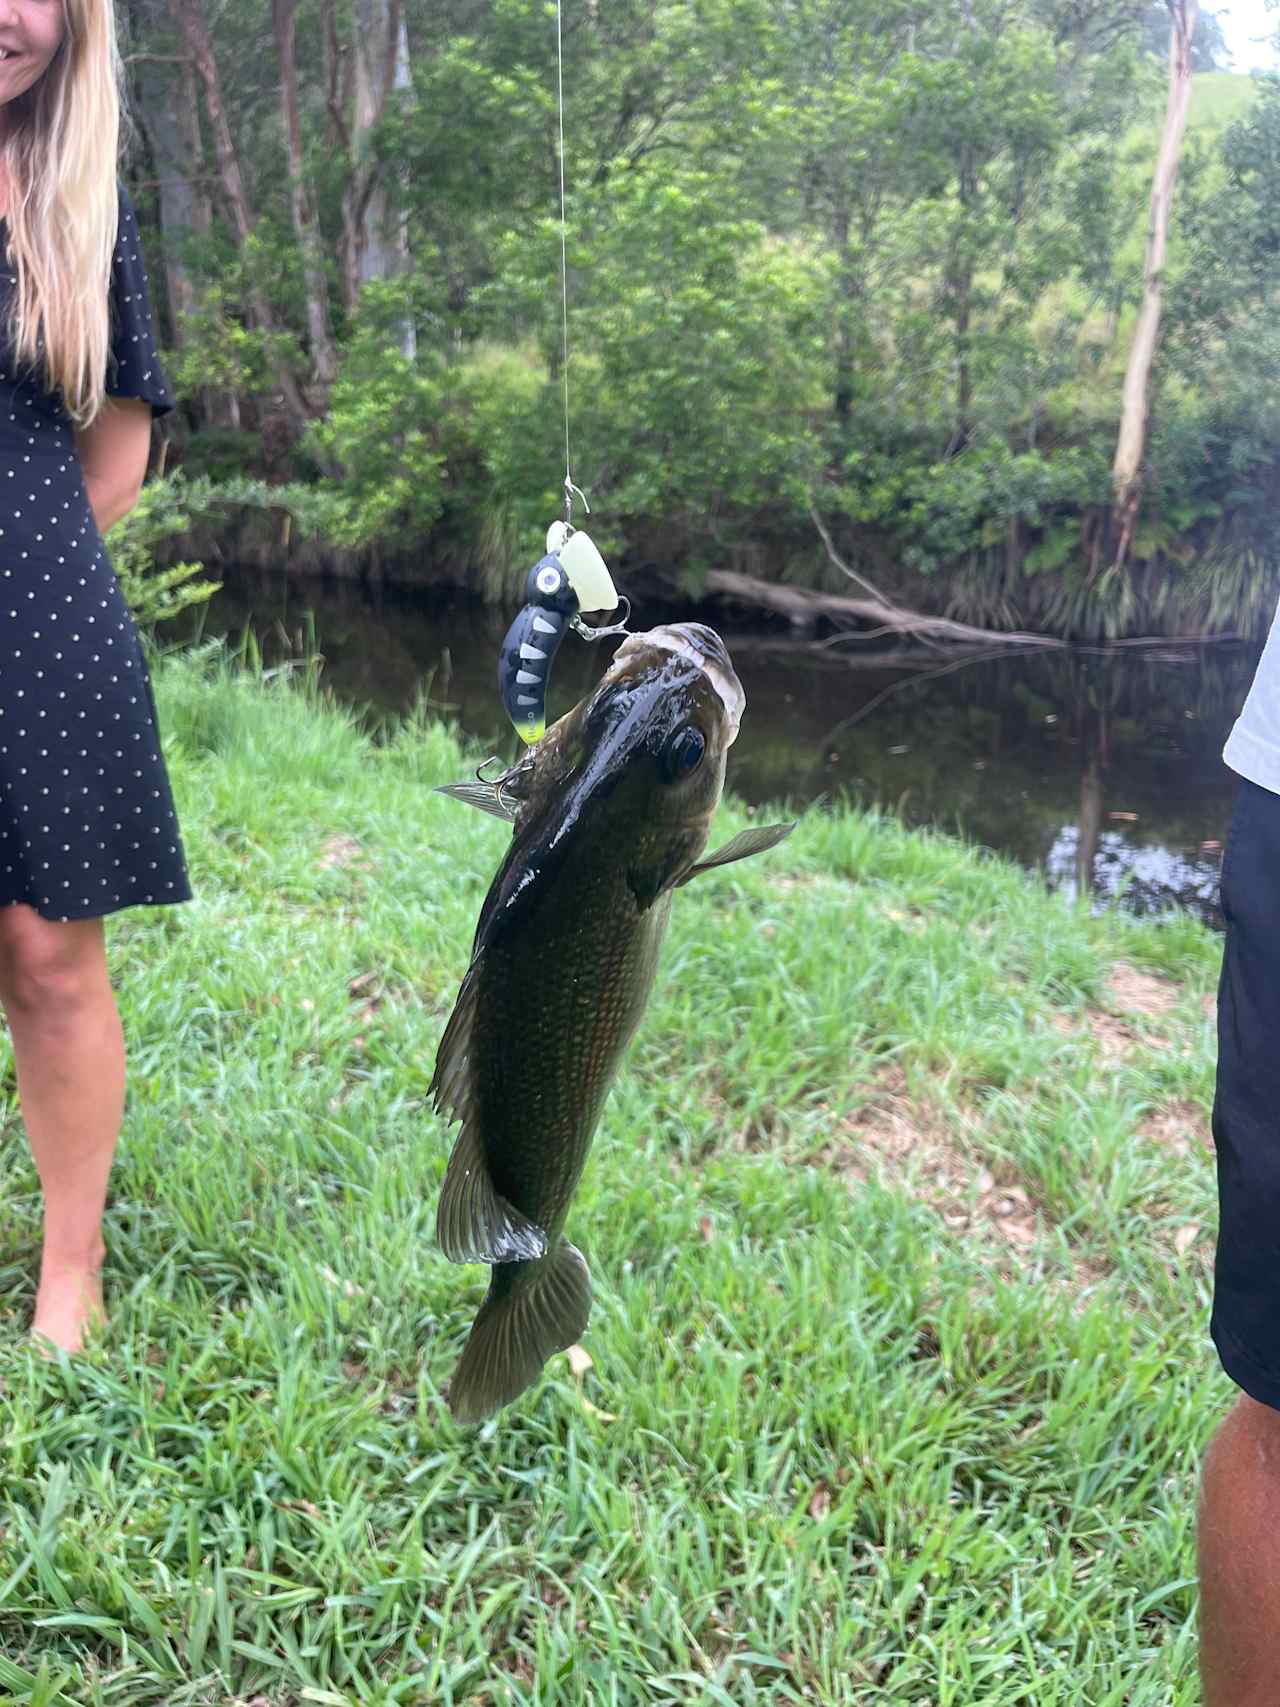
<point x="569" y="487"/>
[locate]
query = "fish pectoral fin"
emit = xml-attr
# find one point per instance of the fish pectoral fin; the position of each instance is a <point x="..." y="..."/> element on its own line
<point x="487" y="796"/>
<point x="474" y="1222"/>
<point x="741" y="847"/>
<point x="529" y="1314"/>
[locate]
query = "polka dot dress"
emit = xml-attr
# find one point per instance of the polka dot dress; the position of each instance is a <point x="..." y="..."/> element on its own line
<point x="86" y="819"/>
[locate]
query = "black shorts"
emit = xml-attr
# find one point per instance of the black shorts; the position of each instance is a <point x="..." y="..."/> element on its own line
<point x="1246" y="1109"/>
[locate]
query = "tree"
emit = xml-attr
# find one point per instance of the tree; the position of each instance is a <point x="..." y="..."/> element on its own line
<point x="190" y="17"/>
<point x="324" y="358"/>
<point x="1126" y="469"/>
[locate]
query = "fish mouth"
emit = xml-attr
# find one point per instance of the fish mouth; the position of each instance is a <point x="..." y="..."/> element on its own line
<point x="659" y="665"/>
<point x="702" y="647"/>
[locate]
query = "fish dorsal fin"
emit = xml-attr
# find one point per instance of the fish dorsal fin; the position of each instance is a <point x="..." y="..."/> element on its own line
<point x="474" y="1222"/>
<point x="487" y="796"/>
<point x="741" y="847"/>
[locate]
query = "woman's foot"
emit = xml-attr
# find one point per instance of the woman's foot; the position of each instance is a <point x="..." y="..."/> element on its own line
<point x="69" y="1302"/>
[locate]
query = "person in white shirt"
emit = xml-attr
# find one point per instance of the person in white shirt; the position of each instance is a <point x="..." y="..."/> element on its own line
<point x="1239" y="1518"/>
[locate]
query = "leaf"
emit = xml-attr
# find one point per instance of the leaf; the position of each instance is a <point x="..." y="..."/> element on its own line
<point x="1185" y="1237"/>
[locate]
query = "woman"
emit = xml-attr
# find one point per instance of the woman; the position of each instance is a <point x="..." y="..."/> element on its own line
<point x="86" y="820"/>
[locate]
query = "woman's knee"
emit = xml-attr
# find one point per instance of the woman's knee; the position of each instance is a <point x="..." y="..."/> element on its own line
<point x="49" y="971"/>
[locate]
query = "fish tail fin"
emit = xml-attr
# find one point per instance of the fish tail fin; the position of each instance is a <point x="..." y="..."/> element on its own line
<point x="533" y="1310"/>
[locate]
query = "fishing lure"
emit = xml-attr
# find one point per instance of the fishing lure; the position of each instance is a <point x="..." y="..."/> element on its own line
<point x="570" y="581"/>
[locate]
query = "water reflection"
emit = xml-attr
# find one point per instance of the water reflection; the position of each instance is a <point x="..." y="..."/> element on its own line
<point x="1102" y="772"/>
<point x="1144" y="879"/>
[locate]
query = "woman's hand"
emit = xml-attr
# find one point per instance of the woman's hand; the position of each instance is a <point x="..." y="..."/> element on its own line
<point x="113" y="454"/>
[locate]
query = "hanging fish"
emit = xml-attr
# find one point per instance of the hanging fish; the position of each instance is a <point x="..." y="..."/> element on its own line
<point x="569" y="581"/>
<point x="611" y="813"/>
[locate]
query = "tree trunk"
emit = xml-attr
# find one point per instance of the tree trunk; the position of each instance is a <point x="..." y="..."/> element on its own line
<point x="846" y="304"/>
<point x="1126" y="471"/>
<point x="189" y="15"/>
<point x="379" y="60"/>
<point x="184" y="200"/>
<point x="324" y="361"/>
<point x="960" y="287"/>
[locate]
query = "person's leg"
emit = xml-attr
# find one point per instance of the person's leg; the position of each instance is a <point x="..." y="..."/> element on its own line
<point x="1238" y="1537"/>
<point x="69" y="1055"/>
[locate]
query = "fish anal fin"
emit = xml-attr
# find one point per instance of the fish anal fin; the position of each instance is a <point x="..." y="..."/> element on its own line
<point x="531" y="1312"/>
<point x="474" y="1222"/>
<point x="742" y="846"/>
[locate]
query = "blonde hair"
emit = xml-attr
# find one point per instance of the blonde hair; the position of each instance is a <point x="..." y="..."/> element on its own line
<point x="61" y="152"/>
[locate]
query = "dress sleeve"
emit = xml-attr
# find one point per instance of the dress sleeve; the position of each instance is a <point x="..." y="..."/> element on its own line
<point x="133" y="368"/>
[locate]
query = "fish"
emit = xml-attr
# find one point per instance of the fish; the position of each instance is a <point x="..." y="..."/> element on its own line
<point x="611" y="812"/>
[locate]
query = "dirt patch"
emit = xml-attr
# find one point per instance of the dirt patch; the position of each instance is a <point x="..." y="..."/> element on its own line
<point x="339" y="851"/>
<point x="1140" y="992"/>
<point x="1181" y="1127"/>
<point x="1116" y="1038"/>
<point x="903" y="1141"/>
<point x="1131" y="996"/>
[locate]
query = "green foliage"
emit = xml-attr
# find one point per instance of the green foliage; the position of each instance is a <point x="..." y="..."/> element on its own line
<point x="696" y="356"/>
<point x="163" y="512"/>
<point x="942" y="510"/>
<point x="889" y="251"/>
<point x="383" y="426"/>
<point x="218" y="352"/>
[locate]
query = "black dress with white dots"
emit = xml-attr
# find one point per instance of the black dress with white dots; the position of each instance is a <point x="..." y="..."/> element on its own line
<point x="86" y="819"/>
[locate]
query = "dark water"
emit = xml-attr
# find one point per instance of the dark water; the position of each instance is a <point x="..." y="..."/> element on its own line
<point x="1101" y="769"/>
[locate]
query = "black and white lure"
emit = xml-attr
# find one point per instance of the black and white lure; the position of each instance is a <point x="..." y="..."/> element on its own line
<point x="569" y="582"/>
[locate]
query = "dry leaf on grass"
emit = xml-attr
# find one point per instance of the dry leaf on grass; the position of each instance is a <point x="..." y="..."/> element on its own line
<point x="820" y="1501"/>
<point x="579" y="1360"/>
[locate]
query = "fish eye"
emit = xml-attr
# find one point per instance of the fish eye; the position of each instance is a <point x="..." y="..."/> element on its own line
<point x="683" y="752"/>
<point x="549" y="580"/>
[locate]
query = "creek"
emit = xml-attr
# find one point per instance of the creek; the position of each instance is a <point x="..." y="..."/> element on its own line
<point x="1096" y="769"/>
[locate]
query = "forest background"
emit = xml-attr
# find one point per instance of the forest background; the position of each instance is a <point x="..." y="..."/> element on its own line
<point x="874" y="262"/>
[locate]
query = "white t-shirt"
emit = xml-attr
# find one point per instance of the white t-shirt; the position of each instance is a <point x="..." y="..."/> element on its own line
<point x="1253" y="747"/>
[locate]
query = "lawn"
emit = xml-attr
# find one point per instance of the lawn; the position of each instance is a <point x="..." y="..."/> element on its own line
<point x="900" y="1222"/>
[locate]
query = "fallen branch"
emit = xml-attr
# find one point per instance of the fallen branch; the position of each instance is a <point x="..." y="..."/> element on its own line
<point x="802" y="606"/>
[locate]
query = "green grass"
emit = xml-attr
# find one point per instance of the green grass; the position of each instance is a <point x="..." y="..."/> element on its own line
<point x="844" y="1440"/>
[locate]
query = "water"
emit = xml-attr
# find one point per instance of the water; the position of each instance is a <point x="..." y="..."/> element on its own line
<point x="1101" y="770"/>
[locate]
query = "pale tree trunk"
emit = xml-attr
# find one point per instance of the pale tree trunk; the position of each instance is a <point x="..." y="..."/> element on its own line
<point x="373" y="53"/>
<point x="1126" y="471"/>
<point x="185" y="208"/>
<point x="189" y="15"/>
<point x="324" y="359"/>
<point x="361" y="80"/>
<point x="401" y="258"/>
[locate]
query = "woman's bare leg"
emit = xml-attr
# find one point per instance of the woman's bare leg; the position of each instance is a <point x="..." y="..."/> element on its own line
<point x="69" y="1055"/>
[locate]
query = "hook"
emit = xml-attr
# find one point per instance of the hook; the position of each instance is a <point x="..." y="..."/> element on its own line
<point x="620" y="627"/>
